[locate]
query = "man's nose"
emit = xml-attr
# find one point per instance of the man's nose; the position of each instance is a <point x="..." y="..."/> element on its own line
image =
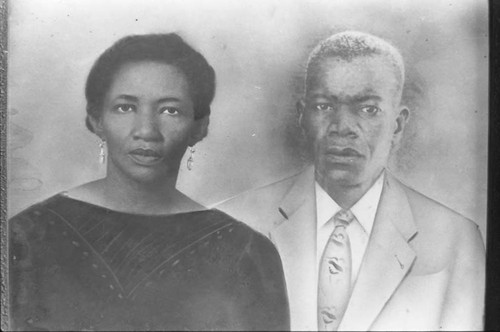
<point x="146" y="126"/>
<point x="342" y="123"/>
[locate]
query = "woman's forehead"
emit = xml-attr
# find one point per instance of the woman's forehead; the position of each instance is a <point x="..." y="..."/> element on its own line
<point x="148" y="76"/>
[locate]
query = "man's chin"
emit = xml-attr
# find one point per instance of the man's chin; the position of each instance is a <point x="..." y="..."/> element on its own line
<point x="340" y="177"/>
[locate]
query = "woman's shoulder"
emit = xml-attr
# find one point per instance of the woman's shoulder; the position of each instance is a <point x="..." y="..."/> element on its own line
<point x="39" y="218"/>
<point x="39" y="229"/>
<point x="217" y="216"/>
<point x="36" y="210"/>
<point x="251" y="251"/>
<point x="233" y="231"/>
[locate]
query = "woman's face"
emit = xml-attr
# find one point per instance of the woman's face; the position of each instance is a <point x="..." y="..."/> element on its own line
<point x="148" y="121"/>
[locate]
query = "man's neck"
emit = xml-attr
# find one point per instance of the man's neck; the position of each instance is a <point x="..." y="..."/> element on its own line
<point x="343" y="194"/>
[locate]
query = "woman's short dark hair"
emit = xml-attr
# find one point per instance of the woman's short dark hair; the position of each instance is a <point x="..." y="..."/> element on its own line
<point x="164" y="48"/>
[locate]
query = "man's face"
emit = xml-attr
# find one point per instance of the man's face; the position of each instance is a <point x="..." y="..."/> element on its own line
<point x="351" y="117"/>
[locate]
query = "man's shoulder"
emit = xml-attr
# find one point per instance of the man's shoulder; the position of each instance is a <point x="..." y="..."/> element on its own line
<point x="444" y="239"/>
<point x="425" y="207"/>
<point x="433" y="217"/>
<point x="258" y="206"/>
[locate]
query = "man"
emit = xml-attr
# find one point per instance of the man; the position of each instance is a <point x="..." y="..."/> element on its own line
<point x="360" y="250"/>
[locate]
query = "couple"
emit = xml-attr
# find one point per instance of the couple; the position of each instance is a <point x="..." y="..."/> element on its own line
<point x="348" y="247"/>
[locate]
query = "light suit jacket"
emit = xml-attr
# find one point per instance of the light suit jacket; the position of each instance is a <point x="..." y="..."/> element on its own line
<point x="423" y="269"/>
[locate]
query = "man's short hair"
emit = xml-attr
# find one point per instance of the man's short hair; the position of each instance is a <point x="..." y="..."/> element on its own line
<point x="349" y="45"/>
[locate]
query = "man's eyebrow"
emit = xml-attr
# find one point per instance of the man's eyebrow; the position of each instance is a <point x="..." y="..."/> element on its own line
<point x="354" y="99"/>
<point x="363" y="98"/>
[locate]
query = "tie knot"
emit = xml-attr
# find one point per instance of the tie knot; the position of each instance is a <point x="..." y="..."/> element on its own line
<point x="343" y="217"/>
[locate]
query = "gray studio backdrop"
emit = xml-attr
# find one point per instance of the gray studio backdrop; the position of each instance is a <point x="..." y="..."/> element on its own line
<point x="258" y="49"/>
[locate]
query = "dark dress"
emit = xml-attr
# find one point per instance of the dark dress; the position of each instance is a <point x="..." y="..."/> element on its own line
<point x="78" y="266"/>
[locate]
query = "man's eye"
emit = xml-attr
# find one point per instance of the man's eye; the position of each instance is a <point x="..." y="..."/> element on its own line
<point x="323" y="107"/>
<point x="125" y="108"/>
<point x="169" y="110"/>
<point x="372" y="110"/>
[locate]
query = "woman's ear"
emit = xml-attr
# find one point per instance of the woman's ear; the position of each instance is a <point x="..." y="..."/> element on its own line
<point x="200" y="130"/>
<point x="95" y="126"/>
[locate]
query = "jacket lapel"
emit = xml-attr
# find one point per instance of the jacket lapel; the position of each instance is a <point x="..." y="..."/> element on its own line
<point x="294" y="235"/>
<point x="387" y="259"/>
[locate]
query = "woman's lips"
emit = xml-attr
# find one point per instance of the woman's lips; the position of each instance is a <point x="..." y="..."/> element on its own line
<point x="146" y="157"/>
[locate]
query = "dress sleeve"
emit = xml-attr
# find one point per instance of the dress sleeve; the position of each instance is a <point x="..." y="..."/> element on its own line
<point x="261" y="287"/>
<point x="25" y="309"/>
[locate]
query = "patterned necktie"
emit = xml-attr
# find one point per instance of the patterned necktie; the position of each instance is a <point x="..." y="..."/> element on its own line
<point x="334" y="284"/>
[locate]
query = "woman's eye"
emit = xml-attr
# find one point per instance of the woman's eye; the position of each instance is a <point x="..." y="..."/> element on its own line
<point x="372" y="110"/>
<point x="125" y="108"/>
<point x="170" y="110"/>
<point x="323" y="107"/>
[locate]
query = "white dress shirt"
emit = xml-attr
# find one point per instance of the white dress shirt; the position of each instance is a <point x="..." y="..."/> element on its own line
<point x="359" y="230"/>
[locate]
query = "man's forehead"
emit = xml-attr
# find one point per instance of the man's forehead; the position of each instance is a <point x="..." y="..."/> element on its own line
<point x="357" y="97"/>
<point x="357" y="78"/>
<point x="360" y="63"/>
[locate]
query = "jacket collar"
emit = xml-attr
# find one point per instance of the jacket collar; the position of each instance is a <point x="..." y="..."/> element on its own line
<point x="294" y="234"/>
<point x="387" y="259"/>
<point x="298" y="194"/>
<point x="393" y="195"/>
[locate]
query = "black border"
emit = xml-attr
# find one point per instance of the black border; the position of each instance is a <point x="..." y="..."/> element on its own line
<point x="492" y="309"/>
<point x="3" y="164"/>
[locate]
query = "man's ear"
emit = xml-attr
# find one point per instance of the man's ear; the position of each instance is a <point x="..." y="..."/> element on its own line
<point x="199" y="131"/>
<point x="401" y="121"/>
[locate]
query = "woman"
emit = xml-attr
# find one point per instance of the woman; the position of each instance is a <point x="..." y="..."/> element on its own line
<point x="129" y="251"/>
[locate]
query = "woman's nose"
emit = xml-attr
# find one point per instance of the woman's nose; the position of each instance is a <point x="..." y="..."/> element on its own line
<point x="146" y="126"/>
<point x="342" y="123"/>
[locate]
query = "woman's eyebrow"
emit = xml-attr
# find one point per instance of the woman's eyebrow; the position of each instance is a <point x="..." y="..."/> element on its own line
<point x="128" y="97"/>
<point x="136" y="99"/>
<point x="168" y="99"/>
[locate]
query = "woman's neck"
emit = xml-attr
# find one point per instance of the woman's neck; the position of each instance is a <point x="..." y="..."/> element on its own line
<point x="116" y="193"/>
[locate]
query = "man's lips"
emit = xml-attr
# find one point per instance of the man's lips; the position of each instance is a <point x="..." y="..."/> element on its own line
<point x="145" y="156"/>
<point x="342" y="155"/>
<point x="343" y="152"/>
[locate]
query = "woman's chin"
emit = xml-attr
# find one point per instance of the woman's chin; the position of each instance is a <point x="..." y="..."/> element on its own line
<point x="151" y="178"/>
<point x="145" y="171"/>
<point x="146" y="176"/>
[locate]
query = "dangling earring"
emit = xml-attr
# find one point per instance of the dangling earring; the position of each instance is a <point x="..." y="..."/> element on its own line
<point x="190" y="160"/>
<point x="102" y="154"/>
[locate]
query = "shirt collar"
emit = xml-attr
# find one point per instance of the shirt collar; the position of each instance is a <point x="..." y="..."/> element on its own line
<point x="364" y="209"/>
